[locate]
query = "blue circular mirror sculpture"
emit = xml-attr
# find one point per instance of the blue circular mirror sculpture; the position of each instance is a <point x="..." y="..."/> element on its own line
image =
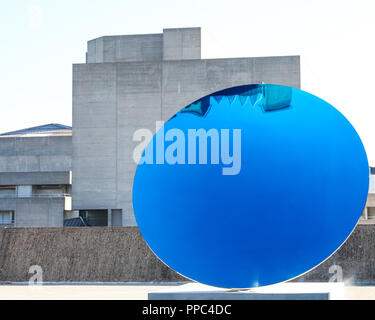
<point x="250" y="186"/>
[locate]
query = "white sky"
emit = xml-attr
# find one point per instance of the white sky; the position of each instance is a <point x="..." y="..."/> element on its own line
<point x="41" y="39"/>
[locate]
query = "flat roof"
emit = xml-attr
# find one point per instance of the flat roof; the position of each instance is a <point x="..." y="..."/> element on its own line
<point x="51" y="129"/>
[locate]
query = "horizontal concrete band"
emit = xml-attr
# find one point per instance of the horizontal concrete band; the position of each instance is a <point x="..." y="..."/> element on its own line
<point x="35" y="178"/>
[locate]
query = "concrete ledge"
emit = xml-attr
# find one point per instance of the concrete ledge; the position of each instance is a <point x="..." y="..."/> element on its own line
<point x="35" y="178"/>
<point x="284" y="291"/>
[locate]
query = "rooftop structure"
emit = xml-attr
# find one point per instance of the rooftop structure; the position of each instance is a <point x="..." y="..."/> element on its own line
<point x="52" y="129"/>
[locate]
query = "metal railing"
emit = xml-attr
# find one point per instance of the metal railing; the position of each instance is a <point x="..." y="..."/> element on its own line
<point x="2" y="225"/>
<point x="15" y="196"/>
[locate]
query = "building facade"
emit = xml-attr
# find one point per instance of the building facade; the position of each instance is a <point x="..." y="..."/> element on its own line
<point x="130" y="82"/>
<point x="49" y="175"/>
<point x="369" y="211"/>
<point x="35" y="176"/>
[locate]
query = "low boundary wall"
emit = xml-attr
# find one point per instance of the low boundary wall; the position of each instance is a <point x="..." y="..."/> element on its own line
<point x="119" y="254"/>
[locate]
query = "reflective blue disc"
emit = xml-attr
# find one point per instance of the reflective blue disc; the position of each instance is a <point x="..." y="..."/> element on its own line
<point x="250" y="186"/>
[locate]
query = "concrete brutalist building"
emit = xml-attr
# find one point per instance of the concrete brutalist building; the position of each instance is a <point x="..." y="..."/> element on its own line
<point x="130" y="82"/>
<point x="51" y="177"/>
<point x="35" y="176"/>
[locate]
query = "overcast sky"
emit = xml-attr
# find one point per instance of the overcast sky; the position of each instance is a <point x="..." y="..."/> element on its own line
<point x="40" y="40"/>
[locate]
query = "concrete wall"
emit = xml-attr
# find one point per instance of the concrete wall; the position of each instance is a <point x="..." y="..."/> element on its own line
<point x="80" y="254"/>
<point x="112" y="100"/>
<point x="120" y="254"/>
<point x="372" y="183"/>
<point x="37" y="212"/>
<point x="29" y="161"/>
<point x="369" y="210"/>
<point x="182" y="44"/>
<point x="35" y="178"/>
<point x="35" y="154"/>
<point x="145" y="47"/>
<point x="172" y="44"/>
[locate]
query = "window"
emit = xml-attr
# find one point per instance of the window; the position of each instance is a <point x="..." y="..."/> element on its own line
<point x="7" y="191"/>
<point x="116" y="218"/>
<point x="95" y="218"/>
<point x="370" y="212"/>
<point x="6" y="218"/>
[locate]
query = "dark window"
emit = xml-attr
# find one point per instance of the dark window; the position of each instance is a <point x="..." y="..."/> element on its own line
<point x="6" y="218"/>
<point x="95" y="218"/>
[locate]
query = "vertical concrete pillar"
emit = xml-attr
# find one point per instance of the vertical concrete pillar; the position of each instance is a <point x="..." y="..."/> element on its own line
<point x="109" y="215"/>
<point x="365" y="213"/>
<point x="24" y="191"/>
